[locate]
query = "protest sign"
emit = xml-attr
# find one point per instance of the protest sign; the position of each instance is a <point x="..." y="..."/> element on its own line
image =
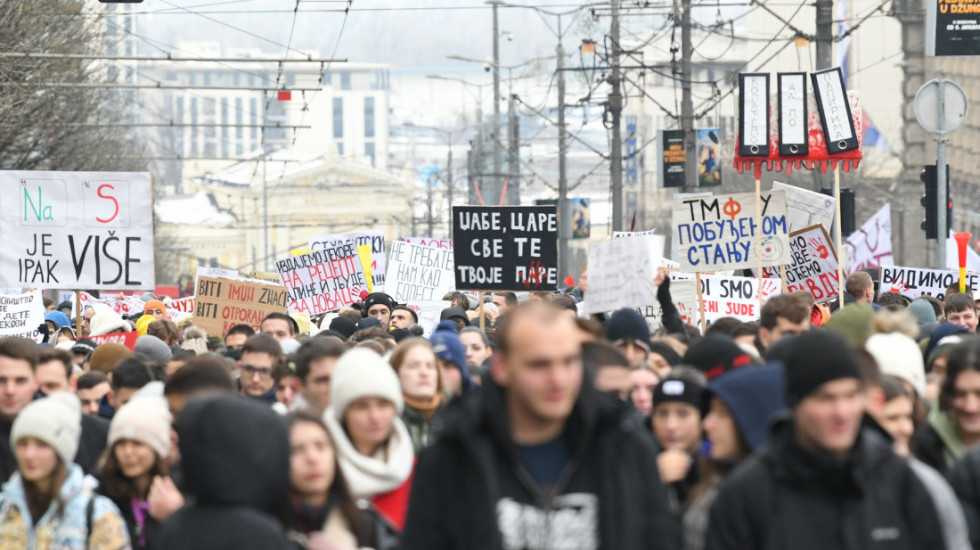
<point x="180" y="307"/>
<point x="622" y="234"/>
<point x="722" y="231"/>
<point x="120" y="303"/>
<point x="257" y="276"/>
<point x="417" y="272"/>
<point x="68" y="230"/>
<point x="871" y="246"/>
<point x="913" y="282"/>
<point x="814" y="265"/>
<point x="324" y="280"/>
<point x="505" y="247"/>
<point x="127" y="339"/>
<point x="223" y="303"/>
<point x="376" y="239"/>
<point x="737" y="297"/>
<point x="684" y="293"/>
<point x="426" y="241"/>
<point x="805" y="208"/>
<point x="21" y="315"/>
<point x="429" y="313"/>
<point x="622" y="273"/>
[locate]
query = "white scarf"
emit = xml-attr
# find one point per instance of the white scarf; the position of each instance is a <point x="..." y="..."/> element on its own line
<point x="369" y="476"/>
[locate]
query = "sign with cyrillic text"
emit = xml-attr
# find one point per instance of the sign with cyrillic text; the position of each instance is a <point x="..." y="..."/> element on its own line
<point x="913" y="282"/>
<point x="814" y="265"/>
<point x="223" y="303"/>
<point x="871" y="245"/>
<point x="374" y="238"/>
<point x="21" y="315"/>
<point x="323" y="280"/>
<point x="419" y="273"/>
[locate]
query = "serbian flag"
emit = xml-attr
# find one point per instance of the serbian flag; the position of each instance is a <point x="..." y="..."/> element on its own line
<point x="872" y="137"/>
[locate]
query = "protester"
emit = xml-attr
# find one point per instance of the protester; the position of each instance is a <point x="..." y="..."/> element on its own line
<point x="46" y="504"/>
<point x="154" y="350"/>
<point x="861" y="287"/>
<point x="609" y="368"/>
<point x="91" y="388"/>
<point x="628" y="331"/>
<point x="260" y="355"/>
<point x="379" y="305"/>
<point x="315" y="362"/>
<point x="538" y="456"/>
<point x="373" y="445"/>
<point x="477" y="346"/>
<point x="156" y="309"/>
<point x="505" y="301"/>
<point x="715" y="355"/>
<point x="128" y="378"/>
<point x="960" y="309"/>
<point x="643" y="380"/>
<point x="236" y="336"/>
<point x="279" y="326"/>
<point x="456" y="315"/>
<point x="53" y="372"/>
<point x="201" y="376"/>
<point x="403" y="317"/>
<point x="107" y="356"/>
<point x="781" y="316"/>
<point x="108" y="321"/>
<point x="288" y="386"/>
<point x="453" y="368"/>
<point x="676" y="423"/>
<point x="418" y="373"/>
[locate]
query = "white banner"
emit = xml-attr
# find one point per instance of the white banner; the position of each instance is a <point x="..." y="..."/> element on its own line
<point x="21" y="314"/>
<point x="805" y="208"/>
<point x="913" y="282"/>
<point x="736" y="297"/>
<point x="419" y="273"/>
<point x="379" y="263"/>
<point x="429" y="313"/>
<point x="622" y="273"/>
<point x="871" y="246"/>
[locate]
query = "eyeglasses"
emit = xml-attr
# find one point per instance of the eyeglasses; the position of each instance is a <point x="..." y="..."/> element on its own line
<point x="249" y="371"/>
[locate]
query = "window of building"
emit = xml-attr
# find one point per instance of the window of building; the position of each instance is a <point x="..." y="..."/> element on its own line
<point x="369" y="117"/>
<point x="369" y="151"/>
<point x="338" y="117"/>
<point x="345" y="80"/>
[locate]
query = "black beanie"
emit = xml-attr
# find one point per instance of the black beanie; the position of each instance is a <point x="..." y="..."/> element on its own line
<point x="678" y="391"/>
<point x="377" y="298"/>
<point x="627" y="324"/>
<point x="667" y="352"/>
<point x="818" y="357"/>
<point x="344" y="326"/>
<point x="715" y="355"/>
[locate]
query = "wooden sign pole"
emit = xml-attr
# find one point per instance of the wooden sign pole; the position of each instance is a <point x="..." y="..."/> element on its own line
<point x="758" y="227"/>
<point x="483" y="321"/>
<point x="840" y="241"/>
<point x="78" y="314"/>
<point x="697" y="283"/>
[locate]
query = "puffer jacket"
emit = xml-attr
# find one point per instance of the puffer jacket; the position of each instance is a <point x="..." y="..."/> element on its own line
<point x="87" y="522"/>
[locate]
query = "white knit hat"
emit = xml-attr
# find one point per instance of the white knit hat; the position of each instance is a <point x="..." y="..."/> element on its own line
<point x="899" y="356"/>
<point x="359" y="373"/>
<point x="145" y="419"/>
<point x="55" y="420"/>
<point x="108" y="321"/>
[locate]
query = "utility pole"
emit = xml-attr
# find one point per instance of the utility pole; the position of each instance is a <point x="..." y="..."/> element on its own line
<point x="498" y="187"/>
<point x="265" y="209"/>
<point x="687" y="103"/>
<point x="825" y="33"/>
<point x="450" y="182"/>
<point x="615" y="110"/>
<point x="513" y="152"/>
<point x="428" y="201"/>
<point x="564" y="208"/>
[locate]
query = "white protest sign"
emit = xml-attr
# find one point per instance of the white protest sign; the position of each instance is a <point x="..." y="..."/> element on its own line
<point x="722" y="231"/>
<point x="736" y="297"/>
<point x="323" y="280"/>
<point x="622" y="273"/>
<point x="21" y="314"/>
<point x="419" y="273"/>
<point x="376" y="239"/>
<point x="429" y="313"/>
<point x="622" y="234"/>
<point x="68" y="230"/>
<point x="427" y="241"/>
<point x="684" y="294"/>
<point x="120" y="303"/>
<point x="814" y="265"/>
<point x="871" y="246"/>
<point x="181" y="307"/>
<point x="913" y="282"/>
<point x="805" y="208"/>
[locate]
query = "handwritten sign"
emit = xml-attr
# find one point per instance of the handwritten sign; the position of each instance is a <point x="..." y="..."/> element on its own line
<point x="722" y="232"/>
<point x="120" y="303"/>
<point x="180" y="307"/>
<point x="76" y="230"/>
<point x="417" y="272"/>
<point x="684" y="292"/>
<point x="814" y="265"/>
<point x="622" y="273"/>
<point x="223" y="303"/>
<point x="360" y="238"/>
<point x="871" y="246"/>
<point x="127" y="339"/>
<point x="429" y="313"/>
<point x="805" y="208"/>
<point x="426" y="241"/>
<point x="622" y="234"/>
<point x="21" y="314"/>
<point x="736" y="297"/>
<point x="913" y="282"/>
<point x="505" y="247"/>
<point x="323" y="280"/>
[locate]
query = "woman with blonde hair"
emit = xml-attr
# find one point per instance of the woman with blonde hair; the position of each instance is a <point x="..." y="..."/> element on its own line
<point x="418" y="372"/>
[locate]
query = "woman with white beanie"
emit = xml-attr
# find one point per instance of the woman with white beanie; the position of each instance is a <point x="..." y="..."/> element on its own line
<point x="134" y="469"/>
<point x="46" y="505"/>
<point x="373" y="446"/>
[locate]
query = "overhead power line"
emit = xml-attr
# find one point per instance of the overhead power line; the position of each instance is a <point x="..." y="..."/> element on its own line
<point x="158" y="86"/>
<point x="46" y="55"/>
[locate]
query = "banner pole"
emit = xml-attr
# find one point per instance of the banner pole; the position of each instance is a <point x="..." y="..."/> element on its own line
<point x="758" y="225"/>
<point x="78" y="314"/>
<point x="483" y="321"/>
<point x="782" y="277"/>
<point x="840" y="241"/>
<point x="697" y="283"/>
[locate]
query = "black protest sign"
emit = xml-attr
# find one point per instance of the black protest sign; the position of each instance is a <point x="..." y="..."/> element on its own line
<point x="505" y="247"/>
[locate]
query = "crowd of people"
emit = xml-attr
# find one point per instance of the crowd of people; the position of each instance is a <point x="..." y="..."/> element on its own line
<point x="814" y="426"/>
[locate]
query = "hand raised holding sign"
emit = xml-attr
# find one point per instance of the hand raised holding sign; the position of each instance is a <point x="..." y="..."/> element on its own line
<point x="661" y="276"/>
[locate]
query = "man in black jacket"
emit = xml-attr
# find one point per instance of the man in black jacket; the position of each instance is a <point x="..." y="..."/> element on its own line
<point x="538" y="458"/>
<point x="824" y="482"/>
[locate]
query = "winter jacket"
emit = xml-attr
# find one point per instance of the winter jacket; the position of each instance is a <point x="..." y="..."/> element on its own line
<point x="695" y="518"/>
<point x="95" y="433"/>
<point x="137" y="535"/>
<point x="965" y="480"/>
<point x="788" y="497"/>
<point x="473" y="491"/>
<point x="418" y="427"/>
<point x="936" y="443"/>
<point x="670" y="316"/>
<point x="951" y="516"/>
<point x="378" y="534"/>
<point x="66" y="531"/>
<point x="235" y="456"/>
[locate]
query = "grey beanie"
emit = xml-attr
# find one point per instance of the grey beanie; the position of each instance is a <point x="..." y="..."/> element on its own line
<point x="922" y="311"/>
<point x="55" y="420"/>
<point x="154" y="349"/>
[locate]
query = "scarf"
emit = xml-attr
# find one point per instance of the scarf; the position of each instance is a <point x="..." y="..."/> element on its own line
<point x="426" y="408"/>
<point x="369" y="476"/>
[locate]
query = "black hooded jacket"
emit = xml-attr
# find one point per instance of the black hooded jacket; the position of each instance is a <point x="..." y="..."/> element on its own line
<point x="788" y="497"/>
<point x="235" y="456"/>
<point x="471" y="489"/>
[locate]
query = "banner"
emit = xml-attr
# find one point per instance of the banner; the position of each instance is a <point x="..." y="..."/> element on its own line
<point x="127" y="339"/>
<point x="624" y="234"/>
<point x="622" y="273"/>
<point x="76" y="230"/>
<point x="429" y="313"/>
<point x="684" y="292"/>
<point x="417" y="272"/>
<point x="720" y="232"/>
<point x="323" y="280"/>
<point x="709" y="157"/>
<point x="426" y="241"/>
<point x="505" y="247"/>
<point x="871" y="246"/>
<point x="951" y="28"/>
<point x="180" y="307"/>
<point x="736" y="297"/>
<point x="672" y="147"/>
<point x="805" y="208"/>
<point x="913" y="282"/>
<point x="223" y="303"/>
<point x="376" y="239"/>
<point x="814" y="265"/>
<point x="120" y="303"/>
<point x="21" y="315"/>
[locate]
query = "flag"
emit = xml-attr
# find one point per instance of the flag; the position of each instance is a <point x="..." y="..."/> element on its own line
<point x="872" y="137"/>
<point x="845" y="43"/>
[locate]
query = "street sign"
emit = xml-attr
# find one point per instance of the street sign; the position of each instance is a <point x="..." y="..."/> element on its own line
<point x="940" y="106"/>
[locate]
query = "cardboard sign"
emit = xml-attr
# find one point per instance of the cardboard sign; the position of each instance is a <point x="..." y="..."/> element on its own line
<point x="426" y="241"/>
<point x="805" y="208"/>
<point x="419" y="273"/>
<point x="871" y="246"/>
<point x="376" y="239"/>
<point x="323" y="280"/>
<point x="21" y="314"/>
<point x="223" y="303"/>
<point x="814" y="265"/>
<point x="127" y="339"/>
<point x="622" y="273"/>
<point x="913" y="282"/>
<point x="721" y="231"/>
<point x="76" y="230"/>
<point x="505" y="247"/>
<point x="429" y="313"/>
<point x="736" y="297"/>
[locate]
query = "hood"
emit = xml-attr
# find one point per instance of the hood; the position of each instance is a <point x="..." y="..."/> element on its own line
<point x="234" y="451"/>
<point x="59" y="318"/>
<point x="944" y="425"/>
<point x="752" y="395"/>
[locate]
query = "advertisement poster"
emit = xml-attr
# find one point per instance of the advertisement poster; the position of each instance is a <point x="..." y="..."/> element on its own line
<point x="709" y="157"/>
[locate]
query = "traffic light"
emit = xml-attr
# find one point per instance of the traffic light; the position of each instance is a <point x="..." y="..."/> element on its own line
<point x="930" y="201"/>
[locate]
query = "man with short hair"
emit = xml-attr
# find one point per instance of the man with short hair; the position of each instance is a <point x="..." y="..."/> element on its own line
<point x="961" y="310"/>
<point x="379" y="305"/>
<point x="128" y="378"/>
<point x="279" y="326"/>
<point x="610" y="367"/>
<point x="315" y="361"/>
<point x="53" y="371"/>
<point x="236" y="336"/>
<point x="860" y="286"/>
<point x="539" y="459"/>
<point x="202" y="375"/>
<point x="782" y="316"/>
<point x="86" y="329"/>
<point x="260" y="355"/>
<point x="403" y="317"/>
<point x="505" y="301"/>
<point x="823" y="481"/>
<point x="91" y="387"/>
